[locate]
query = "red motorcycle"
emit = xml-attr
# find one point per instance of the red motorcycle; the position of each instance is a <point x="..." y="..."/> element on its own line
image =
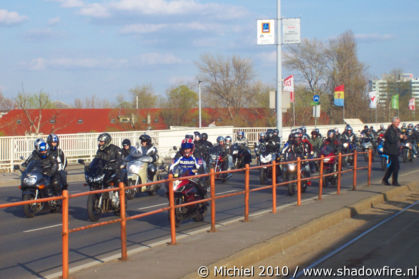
<point x="188" y="190"/>
<point x="329" y="165"/>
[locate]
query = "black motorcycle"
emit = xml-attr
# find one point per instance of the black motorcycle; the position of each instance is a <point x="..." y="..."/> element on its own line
<point x="347" y="148"/>
<point x="34" y="186"/>
<point x="188" y="190"/>
<point x="266" y="157"/>
<point x="329" y="166"/>
<point x="99" y="177"/>
<point x="240" y="155"/>
<point x="289" y="172"/>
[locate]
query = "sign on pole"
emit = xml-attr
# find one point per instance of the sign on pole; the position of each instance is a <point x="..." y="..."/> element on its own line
<point x="412" y="104"/>
<point x="316" y="111"/>
<point x="289" y="87"/>
<point x="373" y="99"/>
<point x="316" y="98"/>
<point x="291" y="31"/>
<point x="266" y="32"/>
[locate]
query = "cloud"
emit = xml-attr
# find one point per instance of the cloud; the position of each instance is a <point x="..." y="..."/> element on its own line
<point x="267" y="57"/>
<point x="10" y="18"/>
<point x="374" y="37"/>
<point x="190" y="26"/>
<point x="54" y="21"/>
<point x="176" y="80"/>
<point x="142" y="28"/>
<point x="66" y="63"/>
<point x="155" y="58"/>
<point x="40" y="34"/>
<point x="70" y="3"/>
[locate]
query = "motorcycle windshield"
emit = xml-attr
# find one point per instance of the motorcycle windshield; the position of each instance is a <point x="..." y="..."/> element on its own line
<point x="180" y="171"/>
<point x="326" y="150"/>
<point x="96" y="167"/>
<point x="290" y="156"/>
<point x="34" y="166"/>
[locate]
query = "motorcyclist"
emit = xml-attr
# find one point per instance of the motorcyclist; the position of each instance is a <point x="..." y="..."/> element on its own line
<point x="189" y="163"/>
<point x="243" y="144"/>
<point x="411" y="137"/>
<point x="382" y="130"/>
<point x="228" y="143"/>
<point x="403" y="129"/>
<point x="48" y="163"/>
<point x="220" y="148"/>
<point x="304" y="133"/>
<point x="332" y="141"/>
<point x="349" y="136"/>
<point x="368" y="135"/>
<point x="206" y="147"/>
<point x="277" y="139"/>
<point x="199" y="151"/>
<point x="111" y="154"/>
<point x="53" y="143"/>
<point x="261" y="140"/>
<point x="297" y="146"/>
<point x="128" y="151"/>
<point x="316" y="141"/>
<point x="373" y="132"/>
<point x="365" y="130"/>
<point x="148" y="149"/>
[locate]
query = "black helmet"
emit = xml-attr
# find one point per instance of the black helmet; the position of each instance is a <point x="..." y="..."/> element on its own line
<point x="187" y="136"/>
<point x="145" y="138"/>
<point x="197" y="135"/>
<point x="126" y="142"/>
<point x="314" y="132"/>
<point x="204" y="136"/>
<point x="53" y="138"/>
<point x="220" y="139"/>
<point x="276" y="132"/>
<point x="106" y="138"/>
<point x="331" y="133"/>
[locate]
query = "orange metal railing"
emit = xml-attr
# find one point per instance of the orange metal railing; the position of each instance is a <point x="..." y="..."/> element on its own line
<point x="65" y="197"/>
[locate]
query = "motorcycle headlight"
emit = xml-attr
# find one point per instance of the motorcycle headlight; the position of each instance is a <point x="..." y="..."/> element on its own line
<point x="326" y="160"/>
<point x="214" y="157"/>
<point x="380" y="149"/>
<point x="291" y="167"/>
<point x="99" y="178"/>
<point x="266" y="159"/>
<point x="235" y="152"/>
<point x="29" y="180"/>
<point x="408" y="144"/>
<point x="345" y="145"/>
<point x="134" y="169"/>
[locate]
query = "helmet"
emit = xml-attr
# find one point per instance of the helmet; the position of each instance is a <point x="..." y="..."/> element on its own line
<point x="382" y="126"/>
<point x="349" y="129"/>
<point x="409" y="132"/>
<point x="303" y="129"/>
<point x="404" y="125"/>
<point x="314" y="132"/>
<point x="187" y="136"/>
<point x="276" y="132"/>
<point x="197" y="135"/>
<point x="41" y="148"/>
<point x="126" y="142"/>
<point x="204" y="136"/>
<point x="240" y="135"/>
<point x="37" y="142"/>
<point x="187" y="144"/>
<point x="410" y="126"/>
<point x="220" y="139"/>
<point x="336" y="130"/>
<point x="106" y="138"/>
<point x="317" y="130"/>
<point x="228" y="139"/>
<point x="297" y="137"/>
<point x="53" y="138"/>
<point x="145" y="138"/>
<point x="331" y="133"/>
<point x="270" y="133"/>
<point x="262" y="135"/>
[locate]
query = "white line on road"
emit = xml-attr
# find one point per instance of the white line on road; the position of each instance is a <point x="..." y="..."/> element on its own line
<point x="231" y="191"/>
<point x="151" y="206"/>
<point x="43" y="228"/>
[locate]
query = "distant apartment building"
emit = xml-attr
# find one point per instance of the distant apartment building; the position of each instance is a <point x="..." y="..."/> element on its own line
<point x="406" y="84"/>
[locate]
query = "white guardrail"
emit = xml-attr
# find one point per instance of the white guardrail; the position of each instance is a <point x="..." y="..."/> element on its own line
<point x="84" y="145"/>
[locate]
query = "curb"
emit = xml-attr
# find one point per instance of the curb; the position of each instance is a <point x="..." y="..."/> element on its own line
<point x="280" y="243"/>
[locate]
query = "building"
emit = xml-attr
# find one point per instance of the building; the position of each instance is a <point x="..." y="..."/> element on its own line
<point x="406" y="84"/>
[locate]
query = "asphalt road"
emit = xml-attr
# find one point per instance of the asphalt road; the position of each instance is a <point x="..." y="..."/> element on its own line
<point x="31" y="248"/>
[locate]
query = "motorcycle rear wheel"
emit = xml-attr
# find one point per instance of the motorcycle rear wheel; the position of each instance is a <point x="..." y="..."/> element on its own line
<point x="130" y="193"/>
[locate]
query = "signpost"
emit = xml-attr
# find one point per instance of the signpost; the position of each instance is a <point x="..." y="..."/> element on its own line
<point x="316" y="108"/>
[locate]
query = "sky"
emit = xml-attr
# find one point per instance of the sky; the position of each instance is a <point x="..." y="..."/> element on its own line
<point x="78" y="48"/>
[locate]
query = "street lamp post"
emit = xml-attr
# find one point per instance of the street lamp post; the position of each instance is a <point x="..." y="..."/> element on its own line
<point x="199" y="103"/>
<point x="279" y="71"/>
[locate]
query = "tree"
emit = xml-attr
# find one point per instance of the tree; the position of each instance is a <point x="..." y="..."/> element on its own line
<point x="37" y="101"/>
<point x="345" y="68"/>
<point x="226" y="82"/>
<point x="5" y="103"/>
<point x="146" y="97"/>
<point x="178" y="105"/>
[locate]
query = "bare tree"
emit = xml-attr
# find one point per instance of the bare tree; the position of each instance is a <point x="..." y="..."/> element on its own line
<point x="5" y="103"/>
<point x="227" y="82"/>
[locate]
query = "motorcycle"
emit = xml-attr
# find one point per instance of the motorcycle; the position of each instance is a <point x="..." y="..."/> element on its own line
<point x="366" y="145"/>
<point x="265" y="158"/>
<point x="384" y="158"/>
<point x="347" y="148"/>
<point x="137" y="173"/>
<point x="329" y="166"/>
<point x="187" y="190"/>
<point x="240" y="156"/>
<point x="34" y="186"/>
<point x="99" y="177"/>
<point x="217" y="162"/>
<point x="289" y="172"/>
<point x="407" y="152"/>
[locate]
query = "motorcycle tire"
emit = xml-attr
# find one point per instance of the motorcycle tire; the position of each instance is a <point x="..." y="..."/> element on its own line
<point x="93" y="212"/>
<point x="199" y="217"/>
<point x="292" y="188"/>
<point x="366" y="156"/>
<point x="405" y="155"/>
<point x="326" y="182"/>
<point x="130" y="193"/>
<point x="304" y="183"/>
<point x="30" y="209"/>
<point x="262" y="176"/>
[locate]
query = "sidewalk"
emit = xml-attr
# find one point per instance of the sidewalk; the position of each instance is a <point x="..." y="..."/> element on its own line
<point x="204" y="249"/>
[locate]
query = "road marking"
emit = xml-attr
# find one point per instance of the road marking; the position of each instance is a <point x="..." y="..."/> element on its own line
<point x="337" y="250"/>
<point x="151" y="206"/>
<point x="43" y="228"/>
<point x="231" y="191"/>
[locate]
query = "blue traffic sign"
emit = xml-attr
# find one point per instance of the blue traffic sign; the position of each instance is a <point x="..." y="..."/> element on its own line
<point x="316" y="98"/>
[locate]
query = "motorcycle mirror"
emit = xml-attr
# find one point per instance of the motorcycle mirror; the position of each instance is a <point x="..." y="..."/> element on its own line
<point x="22" y="158"/>
<point x="174" y="147"/>
<point x="16" y="167"/>
<point x="80" y="161"/>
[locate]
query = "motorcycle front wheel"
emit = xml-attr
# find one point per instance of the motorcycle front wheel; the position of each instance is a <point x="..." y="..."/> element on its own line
<point x="405" y="155"/>
<point x="93" y="210"/>
<point x="32" y="208"/>
<point x="130" y="193"/>
<point x="262" y="176"/>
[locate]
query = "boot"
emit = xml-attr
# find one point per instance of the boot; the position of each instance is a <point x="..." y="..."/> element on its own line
<point x="394" y="181"/>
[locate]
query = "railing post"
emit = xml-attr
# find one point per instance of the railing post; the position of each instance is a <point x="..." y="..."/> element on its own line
<point x="64" y="234"/>
<point x="321" y="177"/>
<point x="339" y="172"/>
<point x="172" y="210"/>
<point x="246" y="193"/>
<point x="12" y="153"/>
<point x="274" y="186"/>
<point x="355" y="167"/>
<point x="298" y="181"/>
<point x="122" y="211"/>
<point x="369" y="166"/>
<point x="212" y="177"/>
